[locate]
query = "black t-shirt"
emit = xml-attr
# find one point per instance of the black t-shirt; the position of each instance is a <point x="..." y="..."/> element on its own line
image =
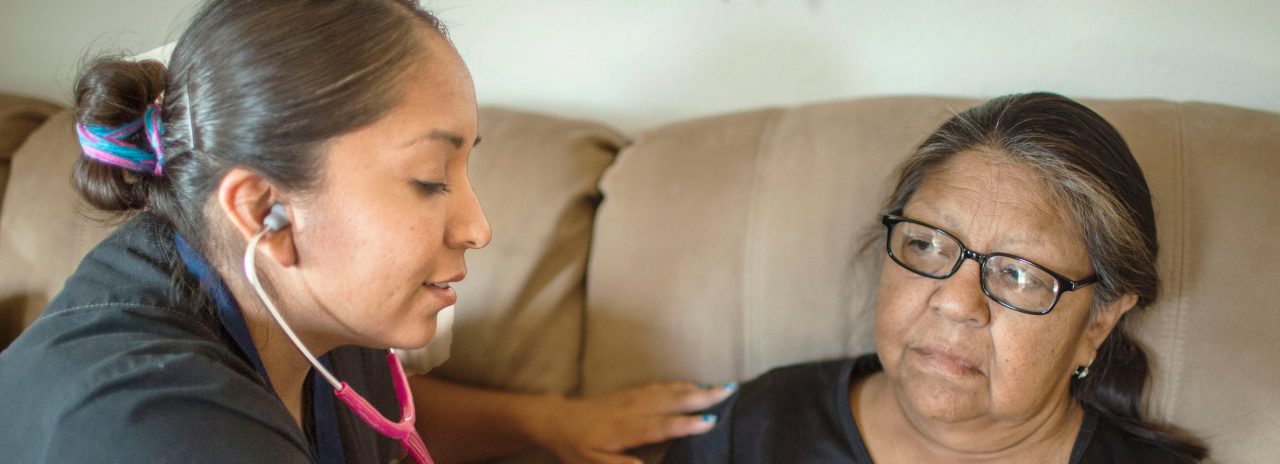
<point x="120" y="368"/>
<point x="801" y="414"/>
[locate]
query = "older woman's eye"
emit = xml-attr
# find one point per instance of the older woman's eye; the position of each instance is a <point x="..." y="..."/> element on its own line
<point x="432" y="188"/>
<point x="919" y="245"/>
<point x="925" y="247"/>
<point x="1020" y="278"/>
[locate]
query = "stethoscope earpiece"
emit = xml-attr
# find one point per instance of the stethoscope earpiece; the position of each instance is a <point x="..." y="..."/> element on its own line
<point x="277" y="219"/>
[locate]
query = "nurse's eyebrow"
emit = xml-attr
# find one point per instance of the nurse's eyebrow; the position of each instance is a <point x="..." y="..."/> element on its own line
<point x="453" y="138"/>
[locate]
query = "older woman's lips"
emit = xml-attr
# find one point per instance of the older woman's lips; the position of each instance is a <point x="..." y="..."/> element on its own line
<point x="947" y="361"/>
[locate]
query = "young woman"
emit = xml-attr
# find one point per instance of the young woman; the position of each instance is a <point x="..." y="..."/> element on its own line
<point x="298" y="202"/>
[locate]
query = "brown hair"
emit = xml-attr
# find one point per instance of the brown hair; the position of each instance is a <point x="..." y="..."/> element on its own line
<point x="1089" y="169"/>
<point x="258" y="85"/>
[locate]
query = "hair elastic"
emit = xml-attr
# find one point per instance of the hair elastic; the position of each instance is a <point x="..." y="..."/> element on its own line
<point x="109" y="145"/>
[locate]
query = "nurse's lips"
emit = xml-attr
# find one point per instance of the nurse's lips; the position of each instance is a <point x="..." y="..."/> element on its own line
<point x="948" y="360"/>
<point x="443" y="290"/>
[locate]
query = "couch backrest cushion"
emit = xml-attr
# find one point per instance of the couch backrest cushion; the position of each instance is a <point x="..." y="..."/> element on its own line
<point x="43" y="230"/>
<point x="520" y="310"/>
<point x="730" y="245"/>
<point x="19" y="116"/>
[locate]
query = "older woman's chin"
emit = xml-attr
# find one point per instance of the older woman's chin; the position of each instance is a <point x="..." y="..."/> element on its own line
<point x="942" y="401"/>
<point x="940" y="393"/>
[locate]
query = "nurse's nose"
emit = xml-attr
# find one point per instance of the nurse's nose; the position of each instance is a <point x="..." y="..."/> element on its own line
<point x="469" y="228"/>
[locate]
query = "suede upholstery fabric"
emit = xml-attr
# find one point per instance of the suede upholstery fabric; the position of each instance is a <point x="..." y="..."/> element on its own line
<point x="44" y="230"/>
<point x="520" y="310"/>
<point x="730" y="245"/>
<point x="19" y="116"/>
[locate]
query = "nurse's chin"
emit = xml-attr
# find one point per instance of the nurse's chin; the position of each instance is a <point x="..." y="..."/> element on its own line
<point x="412" y="336"/>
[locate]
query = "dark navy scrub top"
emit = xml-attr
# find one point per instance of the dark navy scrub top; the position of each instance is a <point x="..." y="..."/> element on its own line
<point x="121" y="368"/>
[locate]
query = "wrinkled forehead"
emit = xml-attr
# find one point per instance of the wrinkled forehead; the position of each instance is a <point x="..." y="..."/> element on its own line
<point x="995" y="202"/>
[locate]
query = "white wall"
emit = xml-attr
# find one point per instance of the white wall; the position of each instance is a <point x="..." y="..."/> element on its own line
<point x="42" y="42"/>
<point x="635" y="63"/>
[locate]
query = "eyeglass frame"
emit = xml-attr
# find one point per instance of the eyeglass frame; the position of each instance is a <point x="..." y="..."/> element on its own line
<point x="1065" y="284"/>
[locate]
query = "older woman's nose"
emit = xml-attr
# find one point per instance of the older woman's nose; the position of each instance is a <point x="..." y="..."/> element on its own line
<point x="469" y="228"/>
<point x="960" y="297"/>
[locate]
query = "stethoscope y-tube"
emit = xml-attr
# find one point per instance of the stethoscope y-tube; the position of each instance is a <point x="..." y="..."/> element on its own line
<point x="402" y="431"/>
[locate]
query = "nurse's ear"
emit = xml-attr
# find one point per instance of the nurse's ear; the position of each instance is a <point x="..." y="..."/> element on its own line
<point x="245" y="199"/>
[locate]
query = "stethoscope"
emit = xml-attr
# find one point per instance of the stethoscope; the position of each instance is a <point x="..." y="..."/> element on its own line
<point x="402" y="431"/>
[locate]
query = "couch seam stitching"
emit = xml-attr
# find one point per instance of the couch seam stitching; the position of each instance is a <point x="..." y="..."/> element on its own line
<point x="580" y="366"/>
<point x="747" y="321"/>
<point x="1176" y="361"/>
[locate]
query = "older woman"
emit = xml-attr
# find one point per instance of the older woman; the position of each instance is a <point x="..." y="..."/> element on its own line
<point x="1020" y="237"/>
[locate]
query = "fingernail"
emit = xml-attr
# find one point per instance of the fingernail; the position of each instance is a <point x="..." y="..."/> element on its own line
<point x="704" y="386"/>
<point x="709" y="418"/>
<point x="731" y="386"/>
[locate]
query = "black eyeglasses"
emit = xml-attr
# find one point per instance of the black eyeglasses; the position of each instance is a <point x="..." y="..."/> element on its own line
<point x="1014" y="282"/>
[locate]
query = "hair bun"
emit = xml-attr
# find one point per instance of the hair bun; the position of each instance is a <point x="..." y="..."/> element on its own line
<point x="114" y="92"/>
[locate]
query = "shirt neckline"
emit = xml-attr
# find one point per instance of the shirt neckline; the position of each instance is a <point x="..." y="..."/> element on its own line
<point x="868" y="364"/>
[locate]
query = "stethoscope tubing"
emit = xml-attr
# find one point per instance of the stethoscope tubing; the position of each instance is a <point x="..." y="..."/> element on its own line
<point x="251" y="273"/>
<point x="402" y="431"/>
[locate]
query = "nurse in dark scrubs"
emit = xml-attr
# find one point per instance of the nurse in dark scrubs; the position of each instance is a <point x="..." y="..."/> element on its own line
<point x="355" y="121"/>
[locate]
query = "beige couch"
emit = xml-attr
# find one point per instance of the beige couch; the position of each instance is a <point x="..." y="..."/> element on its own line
<point x="717" y="248"/>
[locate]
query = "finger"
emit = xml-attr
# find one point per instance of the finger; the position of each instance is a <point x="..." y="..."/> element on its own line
<point x="653" y="429"/>
<point x="684" y="397"/>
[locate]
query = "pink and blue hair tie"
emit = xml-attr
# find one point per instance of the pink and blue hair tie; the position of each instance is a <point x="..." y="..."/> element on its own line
<point x="109" y="144"/>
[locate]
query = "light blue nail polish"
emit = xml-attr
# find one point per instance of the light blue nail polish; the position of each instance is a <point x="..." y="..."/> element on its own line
<point x="731" y="386"/>
<point x="704" y="386"/>
<point x="709" y="418"/>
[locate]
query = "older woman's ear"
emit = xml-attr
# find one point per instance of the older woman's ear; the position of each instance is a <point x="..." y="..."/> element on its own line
<point x="1103" y="321"/>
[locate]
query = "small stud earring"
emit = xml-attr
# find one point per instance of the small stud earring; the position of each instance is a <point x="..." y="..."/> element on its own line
<point x="1081" y="372"/>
